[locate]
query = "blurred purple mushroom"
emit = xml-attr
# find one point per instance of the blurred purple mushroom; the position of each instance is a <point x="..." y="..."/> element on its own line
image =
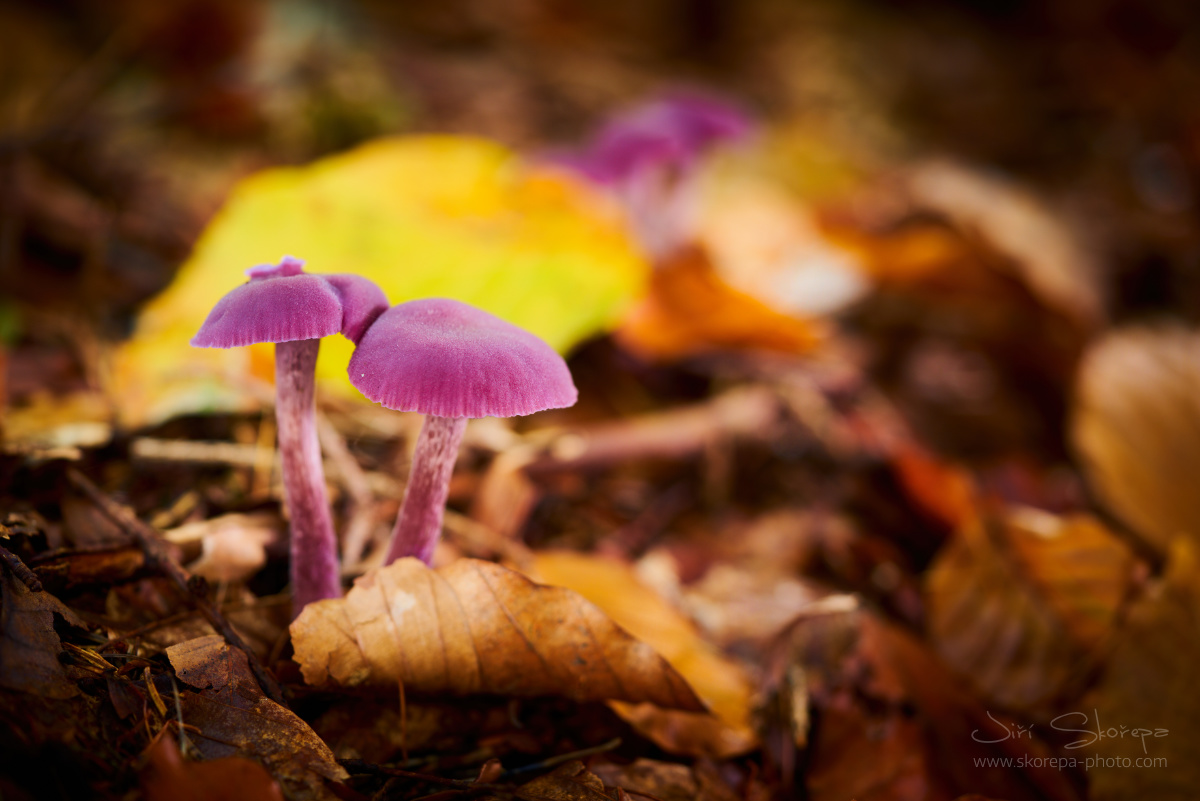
<point x="450" y="361"/>
<point x="648" y="158"/>
<point x="284" y="305"/>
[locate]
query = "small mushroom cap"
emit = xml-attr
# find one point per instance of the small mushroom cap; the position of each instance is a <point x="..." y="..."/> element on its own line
<point x="673" y="132"/>
<point x="281" y="303"/>
<point x="447" y="358"/>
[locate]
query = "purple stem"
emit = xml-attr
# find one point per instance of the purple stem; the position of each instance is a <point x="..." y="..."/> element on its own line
<point x="314" y="548"/>
<point x="420" y="521"/>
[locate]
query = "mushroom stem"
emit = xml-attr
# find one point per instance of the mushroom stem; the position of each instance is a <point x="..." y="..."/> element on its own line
<point x="314" y="547"/>
<point x="420" y="521"/>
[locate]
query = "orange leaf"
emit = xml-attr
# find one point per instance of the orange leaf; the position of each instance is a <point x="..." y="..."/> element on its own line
<point x="690" y="309"/>
<point x="1024" y="605"/>
<point x="477" y="627"/>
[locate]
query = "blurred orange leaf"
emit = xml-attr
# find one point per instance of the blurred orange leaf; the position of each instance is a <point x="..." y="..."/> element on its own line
<point x="1022" y="606"/>
<point x="690" y="309"/>
<point x="941" y="490"/>
<point x="477" y="627"/>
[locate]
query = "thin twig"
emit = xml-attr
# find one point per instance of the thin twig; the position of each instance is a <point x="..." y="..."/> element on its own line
<point x="559" y="759"/>
<point x="194" y="588"/>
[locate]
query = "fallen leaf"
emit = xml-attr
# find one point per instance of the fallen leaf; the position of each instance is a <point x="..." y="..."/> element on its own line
<point x="425" y="216"/>
<point x="477" y="627"/>
<point x="167" y="777"/>
<point x="1142" y="725"/>
<point x="1041" y="249"/>
<point x="569" y="782"/>
<point x="690" y="309"/>
<point x="892" y="723"/>
<point x="203" y="663"/>
<point x="232" y="717"/>
<point x="1021" y="606"/>
<point x="1136" y="423"/>
<point x="29" y="645"/>
<point x="721" y="684"/>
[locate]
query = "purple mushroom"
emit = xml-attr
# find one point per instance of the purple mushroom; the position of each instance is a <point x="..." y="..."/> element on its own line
<point x="647" y="157"/>
<point x="284" y="305"/>
<point x="450" y="361"/>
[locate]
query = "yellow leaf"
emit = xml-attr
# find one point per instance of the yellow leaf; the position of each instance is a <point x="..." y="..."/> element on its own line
<point x="431" y="216"/>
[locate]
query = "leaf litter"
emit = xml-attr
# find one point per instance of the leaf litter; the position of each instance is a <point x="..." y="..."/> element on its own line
<point x="873" y="468"/>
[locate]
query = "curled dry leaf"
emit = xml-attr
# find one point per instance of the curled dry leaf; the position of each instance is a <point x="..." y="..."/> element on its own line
<point x="167" y="777"/>
<point x="1021" y="606"/>
<point x="1136" y="423"/>
<point x="477" y="627"/>
<point x="232" y="717"/>
<point x="1147" y="704"/>
<point x="721" y="684"/>
<point x="29" y="646"/>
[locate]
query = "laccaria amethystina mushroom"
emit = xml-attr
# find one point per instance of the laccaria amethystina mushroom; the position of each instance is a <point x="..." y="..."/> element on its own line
<point x="648" y="158"/>
<point x="284" y="305"/>
<point x="450" y="361"/>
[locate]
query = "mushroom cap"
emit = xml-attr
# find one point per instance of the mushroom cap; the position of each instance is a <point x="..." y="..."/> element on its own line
<point x="671" y="132"/>
<point x="281" y="303"/>
<point x="447" y="358"/>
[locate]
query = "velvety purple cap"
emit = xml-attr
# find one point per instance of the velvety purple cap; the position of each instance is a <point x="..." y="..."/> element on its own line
<point x="447" y="358"/>
<point x="281" y="303"/>
<point x="674" y="131"/>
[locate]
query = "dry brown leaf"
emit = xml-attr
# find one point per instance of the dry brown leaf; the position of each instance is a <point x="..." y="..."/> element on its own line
<point x="233" y="718"/>
<point x="1021" y="606"/>
<point x="1147" y="705"/>
<point x="203" y="663"/>
<point x="29" y="646"/>
<point x="1136" y="423"/>
<point x="167" y="777"/>
<point x="690" y="309"/>
<point x="720" y="683"/>
<point x="569" y="782"/>
<point x="892" y="723"/>
<point x="477" y="627"/>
